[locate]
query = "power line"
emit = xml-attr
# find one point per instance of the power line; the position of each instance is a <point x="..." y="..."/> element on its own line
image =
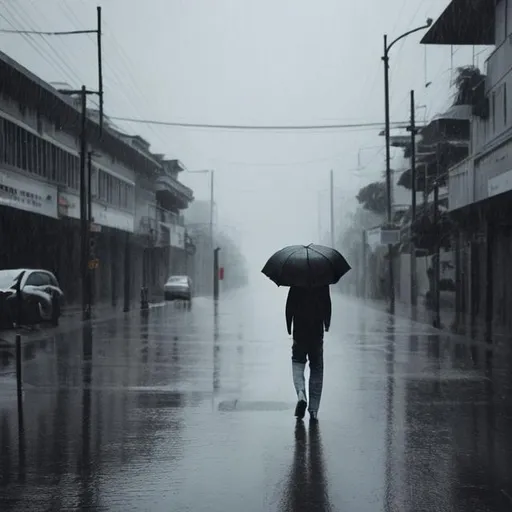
<point x="257" y="127"/>
<point x="42" y="33"/>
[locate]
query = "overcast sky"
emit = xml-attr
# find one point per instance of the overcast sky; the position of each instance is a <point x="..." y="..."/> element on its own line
<point x="270" y="62"/>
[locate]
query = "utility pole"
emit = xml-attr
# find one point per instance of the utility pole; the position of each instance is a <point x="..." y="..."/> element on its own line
<point x="215" y="263"/>
<point x="84" y="231"/>
<point x="85" y="182"/>
<point x="333" y="243"/>
<point x="206" y="264"/>
<point x="385" y="58"/>
<point x="412" y="129"/>
<point x="212" y="205"/>
<point x="90" y="236"/>
<point x="437" y="255"/>
<point x="391" y="277"/>
<point x="100" y="68"/>
<point x="216" y="274"/>
<point x="85" y="203"/>
<point x="363" y="266"/>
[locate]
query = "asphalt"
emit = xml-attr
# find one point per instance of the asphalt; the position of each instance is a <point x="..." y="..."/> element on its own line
<point x="193" y="411"/>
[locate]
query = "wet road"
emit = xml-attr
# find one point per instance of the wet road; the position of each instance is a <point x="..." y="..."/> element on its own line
<point x="188" y="411"/>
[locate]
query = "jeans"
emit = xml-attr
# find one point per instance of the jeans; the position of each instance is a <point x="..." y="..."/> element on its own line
<point x="302" y="351"/>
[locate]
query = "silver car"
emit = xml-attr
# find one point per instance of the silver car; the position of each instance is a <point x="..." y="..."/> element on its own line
<point x="178" y="288"/>
<point x="40" y="297"/>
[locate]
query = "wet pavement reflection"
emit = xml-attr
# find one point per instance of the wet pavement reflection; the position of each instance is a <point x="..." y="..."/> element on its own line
<point x="193" y="410"/>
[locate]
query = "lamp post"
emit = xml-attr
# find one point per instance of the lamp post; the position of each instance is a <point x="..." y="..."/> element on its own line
<point x="212" y="202"/>
<point x="385" y="58"/>
<point x="212" y="205"/>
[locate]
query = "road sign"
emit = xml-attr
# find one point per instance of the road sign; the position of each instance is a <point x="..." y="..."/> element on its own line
<point x="221" y="273"/>
<point x="390" y="236"/>
<point x="94" y="264"/>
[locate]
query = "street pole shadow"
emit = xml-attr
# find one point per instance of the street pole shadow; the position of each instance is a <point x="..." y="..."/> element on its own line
<point x="390" y="402"/>
<point x="216" y="349"/>
<point x="215" y="354"/>
<point x="84" y="460"/>
<point x="307" y="486"/>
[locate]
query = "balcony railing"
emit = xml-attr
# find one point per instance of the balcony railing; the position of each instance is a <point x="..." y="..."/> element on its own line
<point x="166" y="182"/>
<point x="167" y="217"/>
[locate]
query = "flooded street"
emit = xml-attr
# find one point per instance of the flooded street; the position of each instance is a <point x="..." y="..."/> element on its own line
<point x="187" y="410"/>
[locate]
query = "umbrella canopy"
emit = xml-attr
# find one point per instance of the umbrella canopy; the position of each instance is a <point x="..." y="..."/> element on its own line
<point x="306" y="265"/>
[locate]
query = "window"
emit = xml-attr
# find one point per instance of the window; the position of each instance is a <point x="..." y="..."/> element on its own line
<point x="30" y="142"/>
<point x="493" y="111"/>
<point x="10" y="143"/>
<point x="113" y="190"/>
<point x="51" y="279"/>
<point x="94" y="182"/>
<point x="41" y="158"/>
<point x="102" y="185"/>
<point x="505" y="104"/>
<point x="52" y="154"/>
<point x="37" y="279"/>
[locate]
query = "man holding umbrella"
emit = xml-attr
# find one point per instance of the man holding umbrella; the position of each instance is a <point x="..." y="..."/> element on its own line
<point x="309" y="310"/>
<point x="308" y="270"/>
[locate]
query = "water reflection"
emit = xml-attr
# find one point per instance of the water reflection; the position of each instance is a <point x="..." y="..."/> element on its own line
<point x="390" y="396"/>
<point x="307" y="487"/>
<point x="84" y="462"/>
<point x="216" y="348"/>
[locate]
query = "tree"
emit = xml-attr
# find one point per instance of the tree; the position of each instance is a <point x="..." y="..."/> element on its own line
<point x="468" y="85"/>
<point x="373" y="197"/>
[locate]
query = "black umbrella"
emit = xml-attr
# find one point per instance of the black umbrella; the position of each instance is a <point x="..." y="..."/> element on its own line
<point x="306" y="265"/>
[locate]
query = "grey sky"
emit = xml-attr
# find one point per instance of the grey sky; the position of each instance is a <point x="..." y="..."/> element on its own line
<point x="246" y="62"/>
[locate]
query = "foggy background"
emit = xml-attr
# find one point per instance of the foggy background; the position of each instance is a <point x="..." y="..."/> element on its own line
<point x="250" y="63"/>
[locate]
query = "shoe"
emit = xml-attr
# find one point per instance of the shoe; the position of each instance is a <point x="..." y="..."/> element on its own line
<point x="300" y="409"/>
<point x="313" y="416"/>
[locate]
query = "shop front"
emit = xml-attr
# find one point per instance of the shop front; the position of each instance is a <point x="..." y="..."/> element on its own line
<point x="29" y="226"/>
<point x="112" y="249"/>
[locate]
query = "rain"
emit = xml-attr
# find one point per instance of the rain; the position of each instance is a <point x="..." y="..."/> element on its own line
<point x="252" y="256"/>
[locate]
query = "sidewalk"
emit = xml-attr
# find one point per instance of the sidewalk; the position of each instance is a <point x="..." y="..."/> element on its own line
<point x="423" y="314"/>
<point x="71" y="319"/>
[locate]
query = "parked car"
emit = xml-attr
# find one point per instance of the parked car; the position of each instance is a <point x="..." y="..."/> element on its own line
<point x="178" y="288"/>
<point x="40" y="294"/>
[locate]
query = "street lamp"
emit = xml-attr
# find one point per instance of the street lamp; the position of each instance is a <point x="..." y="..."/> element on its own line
<point x="385" y="58"/>
<point x="211" y="173"/>
<point x="215" y="253"/>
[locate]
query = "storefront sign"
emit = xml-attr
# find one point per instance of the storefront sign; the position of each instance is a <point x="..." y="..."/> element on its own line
<point x="23" y="193"/>
<point x="69" y="206"/>
<point x="106" y="216"/>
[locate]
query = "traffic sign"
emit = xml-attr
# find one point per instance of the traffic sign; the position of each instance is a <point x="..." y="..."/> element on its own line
<point x="94" y="264"/>
<point x="390" y="236"/>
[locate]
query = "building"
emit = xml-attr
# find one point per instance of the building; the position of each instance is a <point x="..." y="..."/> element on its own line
<point x="136" y="198"/>
<point x="480" y="186"/>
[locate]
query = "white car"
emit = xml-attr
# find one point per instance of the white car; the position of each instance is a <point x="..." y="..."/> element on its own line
<point x="178" y="288"/>
<point x="41" y="296"/>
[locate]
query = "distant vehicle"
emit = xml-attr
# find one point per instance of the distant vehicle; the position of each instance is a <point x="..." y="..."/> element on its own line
<point x="40" y="293"/>
<point x="178" y="288"/>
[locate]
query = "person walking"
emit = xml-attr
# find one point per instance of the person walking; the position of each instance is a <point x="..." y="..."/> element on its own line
<point x="309" y="311"/>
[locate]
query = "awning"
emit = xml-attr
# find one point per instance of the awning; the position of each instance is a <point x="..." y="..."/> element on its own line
<point x="464" y="22"/>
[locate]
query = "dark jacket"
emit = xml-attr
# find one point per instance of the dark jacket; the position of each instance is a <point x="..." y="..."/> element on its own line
<point x="309" y="309"/>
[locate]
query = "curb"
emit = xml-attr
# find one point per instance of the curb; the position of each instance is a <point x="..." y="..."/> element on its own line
<point x="7" y="338"/>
